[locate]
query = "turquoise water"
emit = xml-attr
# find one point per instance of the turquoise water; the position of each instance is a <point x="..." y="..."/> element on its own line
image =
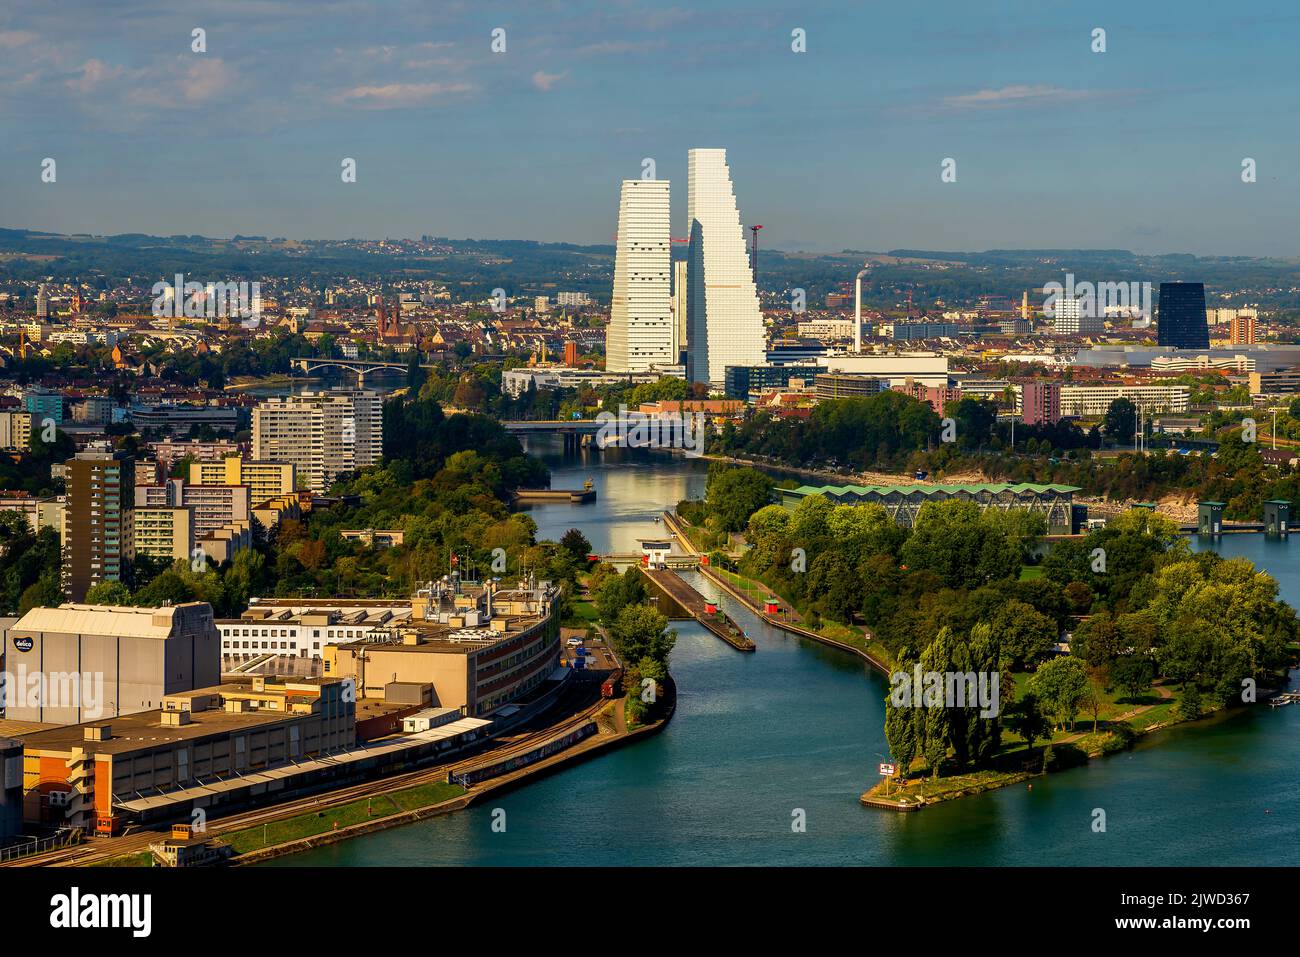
<point x="798" y="727"/>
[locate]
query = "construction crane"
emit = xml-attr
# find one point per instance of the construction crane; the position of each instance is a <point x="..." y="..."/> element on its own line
<point x="753" y="253"/>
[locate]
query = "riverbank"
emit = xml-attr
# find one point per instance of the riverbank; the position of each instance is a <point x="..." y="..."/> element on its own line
<point x="608" y="738"/>
<point x="245" y="382"/>
<point x="1066" y="751"/>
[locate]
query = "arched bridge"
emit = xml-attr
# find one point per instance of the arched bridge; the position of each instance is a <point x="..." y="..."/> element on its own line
<point x="360" y="366"/>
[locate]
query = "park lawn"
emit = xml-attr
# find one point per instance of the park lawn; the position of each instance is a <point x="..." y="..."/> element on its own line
<point x="580" y="609"/>
<point x="1029" y="573"/>
<point x="320" y="822"/>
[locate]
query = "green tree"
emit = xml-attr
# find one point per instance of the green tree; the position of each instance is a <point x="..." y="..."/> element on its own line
<point x="1060" y="685"/>
<point x="108" y="593"/>
<point x="734" y="494"/>
<point x="1133" y="674"/>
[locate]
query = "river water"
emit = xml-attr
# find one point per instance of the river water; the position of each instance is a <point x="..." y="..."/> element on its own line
<point x="797" y="729"/>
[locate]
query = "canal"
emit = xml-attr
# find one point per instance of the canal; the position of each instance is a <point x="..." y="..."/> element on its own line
<point x="798" y="727"/>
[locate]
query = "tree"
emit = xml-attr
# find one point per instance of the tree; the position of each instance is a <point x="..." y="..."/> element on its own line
<point x="1028" y="721"/>
<point x="1091" y="702"/>
<point x="641" y="632"/>
<point x="733" y="495"/>
<point x="1060" y="685"/>
<point x="1189" y="707"/>
<point x="576" y="544"/>
<point x="1133" y="674"/>
<point x="1025" y="635"/>
<point x="900" y="733"/>
<point x="1120" y="422"/>
<point x="617" y="592"/>
<point x="108" y="593"/>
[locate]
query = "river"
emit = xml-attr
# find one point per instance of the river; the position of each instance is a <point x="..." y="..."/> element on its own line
<point x="798" y="727"/>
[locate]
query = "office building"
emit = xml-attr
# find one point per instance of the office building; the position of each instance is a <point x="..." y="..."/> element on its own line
<point x="98" y="533"/>
<point x="930" y="368"/>
<point x="1092" y="401"/>
<point x="725" y="325"/>
<point x="745" y="381"/>
<point x="323" y="434"/>
<point x="110" y="660"/>
<point x="184" y="419"/>
<point x="840" y="385"/>
<point x="640" y="335"/>
<point x="1040" y="403"/>
<point x="1180" y="320"/>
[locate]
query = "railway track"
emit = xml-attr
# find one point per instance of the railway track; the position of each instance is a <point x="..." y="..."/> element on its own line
<point x="97" y="851"/>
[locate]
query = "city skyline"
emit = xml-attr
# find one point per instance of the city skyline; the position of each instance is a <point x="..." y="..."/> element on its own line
<point x="1131" y="148"/>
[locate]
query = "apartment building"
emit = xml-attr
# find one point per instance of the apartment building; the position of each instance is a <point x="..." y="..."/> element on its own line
<point x="98" y="537"/>
<point x="322" y="434"/>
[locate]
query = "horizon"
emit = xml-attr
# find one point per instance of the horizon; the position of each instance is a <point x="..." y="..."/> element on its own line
<point x="1056" y="146"/>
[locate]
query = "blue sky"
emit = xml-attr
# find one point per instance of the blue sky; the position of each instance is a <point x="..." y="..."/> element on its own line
<point x="1139" y="147"/>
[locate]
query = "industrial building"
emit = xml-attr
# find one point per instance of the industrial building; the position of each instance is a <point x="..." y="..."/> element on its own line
<point x="78" y="776"/>
<point x="11" y="789"/>
<point x="477" y="647"/>
<point x="80" y="663"/>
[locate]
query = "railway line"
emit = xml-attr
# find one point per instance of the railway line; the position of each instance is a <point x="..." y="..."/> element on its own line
<point x="510" y="745"/>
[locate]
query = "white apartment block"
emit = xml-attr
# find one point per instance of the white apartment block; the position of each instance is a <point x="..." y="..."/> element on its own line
<point x="725" y="325"/>
<point x="1094" y="400"/>
<point x="640" y="335"/>
<point x="323" y="434"/>
<point x="1071" y="321"/>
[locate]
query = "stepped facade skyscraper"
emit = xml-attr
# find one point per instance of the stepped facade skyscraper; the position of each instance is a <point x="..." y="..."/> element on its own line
<point x="724" y="324"/>
<point x="641" y="331"/>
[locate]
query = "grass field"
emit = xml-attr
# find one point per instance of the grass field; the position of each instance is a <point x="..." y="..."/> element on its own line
<point x="319" y="822"/>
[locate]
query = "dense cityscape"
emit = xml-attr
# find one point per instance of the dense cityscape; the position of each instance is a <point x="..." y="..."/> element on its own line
<point x="686" y="545"/>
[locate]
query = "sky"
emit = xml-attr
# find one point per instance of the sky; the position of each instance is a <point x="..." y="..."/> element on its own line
<point x="841" y="146"/>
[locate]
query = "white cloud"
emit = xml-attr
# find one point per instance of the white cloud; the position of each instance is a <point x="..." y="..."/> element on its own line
<point x="545" y="81"/>
<point x="1017" y="95"/>
<point x="395" y="95"/>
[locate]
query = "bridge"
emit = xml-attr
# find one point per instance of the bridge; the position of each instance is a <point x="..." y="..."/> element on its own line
<point x="578" y="433"/>
<point x="360" y="366"/>
<point x="624" y="560"/>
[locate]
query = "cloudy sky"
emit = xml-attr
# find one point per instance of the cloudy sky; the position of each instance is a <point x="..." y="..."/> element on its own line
<point x="1139" y="147"/>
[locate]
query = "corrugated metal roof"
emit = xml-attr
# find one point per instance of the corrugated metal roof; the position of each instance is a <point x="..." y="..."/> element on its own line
<point x="122" y="622"/>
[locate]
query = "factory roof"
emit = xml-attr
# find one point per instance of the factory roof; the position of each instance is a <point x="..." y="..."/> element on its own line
<point x="114" y="620"/>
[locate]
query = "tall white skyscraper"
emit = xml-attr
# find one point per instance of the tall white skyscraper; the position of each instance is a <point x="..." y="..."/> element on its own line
<point x="724" y="324"/>
<point x="640" y="333"/>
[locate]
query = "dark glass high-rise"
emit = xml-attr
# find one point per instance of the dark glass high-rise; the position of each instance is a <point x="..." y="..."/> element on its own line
<point x="1181" y="319"/>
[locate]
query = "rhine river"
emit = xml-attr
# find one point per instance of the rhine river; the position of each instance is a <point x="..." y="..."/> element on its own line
<point x="800" y="726"/>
